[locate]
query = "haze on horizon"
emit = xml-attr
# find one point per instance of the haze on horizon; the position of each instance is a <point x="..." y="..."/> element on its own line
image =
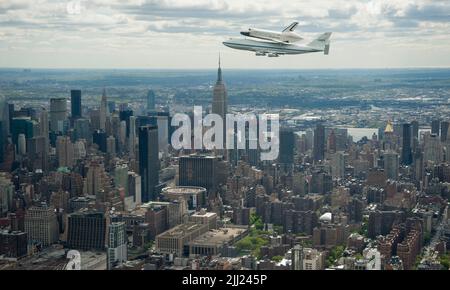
<point x="186" y="34"/>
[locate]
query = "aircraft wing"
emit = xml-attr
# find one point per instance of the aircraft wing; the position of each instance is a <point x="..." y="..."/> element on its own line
<point x="291" y="27"/>
<point x="278" y="41"/>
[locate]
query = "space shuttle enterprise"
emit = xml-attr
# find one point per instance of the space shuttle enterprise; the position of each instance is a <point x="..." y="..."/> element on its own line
<point x="273" y="43"/>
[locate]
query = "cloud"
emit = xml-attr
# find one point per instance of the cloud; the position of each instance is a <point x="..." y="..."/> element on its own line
<point x="197" y="27"/>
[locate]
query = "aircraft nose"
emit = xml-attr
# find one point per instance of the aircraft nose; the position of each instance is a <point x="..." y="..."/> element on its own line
<point x="245" y="33"/>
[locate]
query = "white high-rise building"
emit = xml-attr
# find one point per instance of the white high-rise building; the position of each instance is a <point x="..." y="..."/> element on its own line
<point x="134" y="187"/>
<point x="163" y="134"/>
<point x="373" y="258"/>
<point x="313" y="259"/>
<point x="117" y="245"/>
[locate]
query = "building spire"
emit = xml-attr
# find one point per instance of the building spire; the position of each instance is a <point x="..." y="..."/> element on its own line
<point x="219" y="72"/>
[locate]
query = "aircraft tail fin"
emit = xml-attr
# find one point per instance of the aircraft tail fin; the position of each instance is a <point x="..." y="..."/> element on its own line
<point x="322" y="42"/>
<point x="291" y="27"/>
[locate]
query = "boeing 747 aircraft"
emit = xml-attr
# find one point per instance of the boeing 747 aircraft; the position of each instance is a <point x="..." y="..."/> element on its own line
<point x="273" y="44"/>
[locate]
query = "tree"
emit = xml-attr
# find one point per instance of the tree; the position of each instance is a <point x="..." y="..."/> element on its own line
<point x="364" y="227"/>
<point x="278" y="229"/>
<point x="445" y="261"/>
<point x="256" y="221"/>
<point x="335" y="254"/>
<point x="277" y="258"/>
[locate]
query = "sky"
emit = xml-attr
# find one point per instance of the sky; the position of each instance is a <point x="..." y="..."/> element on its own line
<point x="188" y="34"/>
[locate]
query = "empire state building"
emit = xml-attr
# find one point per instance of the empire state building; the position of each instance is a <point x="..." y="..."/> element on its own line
<point x="219" y="105"/>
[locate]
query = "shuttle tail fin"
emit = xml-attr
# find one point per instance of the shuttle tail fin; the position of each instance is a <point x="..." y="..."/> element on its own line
<point x="291" y="27"/>
<point x="322" y="42"/>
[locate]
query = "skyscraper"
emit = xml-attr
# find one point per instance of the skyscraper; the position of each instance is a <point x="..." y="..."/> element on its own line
<point x="86" y="230"/>
<point x="391" y="165"/>
<point x="37" y="152"/>
<point x="219" y="105"/>
<point x="94" y="178"/>
<point x="13" y="244"/>
<point x="125" y="115"/>
<point x="415" y="129"/>
<point x="338" y="165"/>
<point x="82" y="130"/>
<point x="406" y="145"/>
<point x="297" y="258"/>
<point x="287" y="145"/>
<point x="220" y="102"/>
<point x="21" y="144"/>
<point x="135" y="187"/>
<point x="111" y="145"/>
<point x="43" y="123"/>
<point x="21" y="125"/>
<point x="415" y="135"/>
<point x="435" y="126"/>
<point x="75" y="102"/>
<point x="103" y="111"/>
<point x="99" y="138"/>
<point x="41" y="225"/>
<point x="150" y="100"/>
<point x="163" y="132"/>
<point x="117" y="245"/>
<point x="6" y="193"/>
<point x="64" y="151"/>
<point x="58" y="114"/>
<point x="332" y="147"/>
<point x="4" y="124"/>
<point x="198" y="170"/>
<point x="319" y="142"/>
<point x="132" y="137"/>
<point x="149" y="161"/>
<point x="432" y="148"/>
<point x="445" y="125"/>
<point x="5" y="115"/>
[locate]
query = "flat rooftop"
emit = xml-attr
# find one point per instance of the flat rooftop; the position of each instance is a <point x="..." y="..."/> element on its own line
<point x="181" y="230"/>
<point x="183" y="190"/>
<point x="152" y="204"/>
<point x="205" y="214"/>
<point x="219" y="237"/>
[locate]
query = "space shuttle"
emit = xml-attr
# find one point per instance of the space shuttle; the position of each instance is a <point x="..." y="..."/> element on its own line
<point x="286" y="36"/>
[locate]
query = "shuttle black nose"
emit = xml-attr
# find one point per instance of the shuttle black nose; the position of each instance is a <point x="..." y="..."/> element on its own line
<point x="245" y="33"/>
